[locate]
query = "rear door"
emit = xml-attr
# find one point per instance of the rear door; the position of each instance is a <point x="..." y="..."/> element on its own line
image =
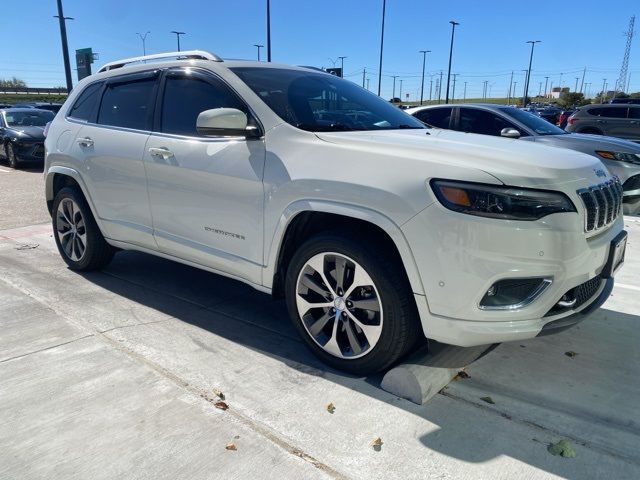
<point x="483" y="122"/>
<point x="206" y="193"/>
<point x="110" y="145"/>
<point x="612" y="120"/>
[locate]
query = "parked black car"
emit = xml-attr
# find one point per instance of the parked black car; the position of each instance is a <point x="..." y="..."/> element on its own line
<point x="550" y="114"/>
<point x="52" y="107"/>
<point x="22" y="134"/>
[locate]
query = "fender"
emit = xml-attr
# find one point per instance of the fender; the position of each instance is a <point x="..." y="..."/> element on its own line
<point x="347" y="210"/>
<point x="69" y="172"/>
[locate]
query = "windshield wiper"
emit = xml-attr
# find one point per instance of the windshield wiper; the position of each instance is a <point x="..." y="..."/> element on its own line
<point x="404" y="126"/>
<point x="334" y="127"/>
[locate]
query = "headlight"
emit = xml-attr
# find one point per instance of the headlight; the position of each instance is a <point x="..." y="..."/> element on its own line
<point x="620" y="156"/>
<point x="509" y="203"/>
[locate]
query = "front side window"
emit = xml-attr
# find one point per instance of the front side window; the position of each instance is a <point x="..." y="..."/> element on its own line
<point x="128" y="104"/>
<point x="435" y="117"/>
<point x="482" y="121"/>
<point x="186" y="97"/>
<point x="29" y="118"/>
<point x="539" y="125"/>
<point x="318" y="102"/>
<point x="87" y="103"/>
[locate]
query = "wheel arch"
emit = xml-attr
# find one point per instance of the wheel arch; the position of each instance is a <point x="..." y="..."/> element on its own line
<point x="58" y="177"/>
<point x="303" y="219"/>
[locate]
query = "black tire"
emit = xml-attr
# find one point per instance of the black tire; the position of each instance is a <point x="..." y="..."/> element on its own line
<point x="97" y="253"/>
<point x="401" y="326"/>
<point x="11" y="156"/>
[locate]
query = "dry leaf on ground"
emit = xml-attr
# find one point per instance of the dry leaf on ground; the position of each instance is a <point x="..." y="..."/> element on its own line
<point x="376" y="443"/>
<point x="331" y="408"/>
<point x="231" y="446"/>
<point x="570" y="354"/>
<point x="562" y="448"/>
<point x="221" y="405"/>
<point x="488" y="400"/>
<point x="218" y="393"/>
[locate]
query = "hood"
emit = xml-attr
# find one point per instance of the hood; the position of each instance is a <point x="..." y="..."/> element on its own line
<point x="32" y="133"/>
<point x="511" y="161"/>
<point x="597" y="142"/>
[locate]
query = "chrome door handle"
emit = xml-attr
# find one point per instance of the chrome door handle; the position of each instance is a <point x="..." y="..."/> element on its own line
<point x="85" y="142"/>
<point x="160" y="152"/>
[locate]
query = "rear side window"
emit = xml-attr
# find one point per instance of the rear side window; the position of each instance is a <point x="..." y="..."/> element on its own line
<point x="436" y="117"/>
<point x="615" y="112"/>
<point x="634" y="112"/>
<point x="87" y="103"/>
<point x="128" y="104"/>
<point x="186" y="97"/>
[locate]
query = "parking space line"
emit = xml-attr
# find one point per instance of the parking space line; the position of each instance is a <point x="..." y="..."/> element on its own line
<point x="628" y="287"/>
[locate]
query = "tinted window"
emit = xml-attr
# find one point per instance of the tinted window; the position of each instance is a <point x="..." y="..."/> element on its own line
<point x="318" y="101"/>
<point x="87" y="102"/>
<point x="184" y="98"/>
<point x="615" y="112"/>
<point x="435" y="117"/>
<point x="534" y="122"/>
<point x="128" y="104"/>
<point x="481" y="121"/>
<point x="634" y="112"/>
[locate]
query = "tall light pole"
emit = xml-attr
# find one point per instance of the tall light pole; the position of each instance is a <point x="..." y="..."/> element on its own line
<point x="576" y="87"/>
<point x="603" y="95"/>
<point x="258" y="46"/>
<point x="430" y="87"/>
<point x="453" y="91"/>
<point x="526" y="83"/>
<point x="453" y="31"/>
<point x="440" y="88"/>
<point x="342" y="66"/>
<point x="510" y="87"/>
<point x="515" y="84"/>
<point x="178" y="37"/>
<point x="394" y="88"/>
<point x="65" y="47"/>
<point x="384" y="8"/>
<point x="368" y="83"/>
<point x="464" y="96"/>
<point x="424" y="62"/>
<point x="268" y="30"/>
<point x="364" y="74"/>
<point x="400" y="90"/>
<point x="546" y="82"/>
<point x="144" y="41"/>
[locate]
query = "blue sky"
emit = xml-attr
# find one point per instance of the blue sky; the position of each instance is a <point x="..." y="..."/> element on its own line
<point x="489" y="43"/>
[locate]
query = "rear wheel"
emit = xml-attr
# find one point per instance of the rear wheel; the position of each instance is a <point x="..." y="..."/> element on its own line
<point x="77" y="235"/>
<point x="351" y="303"/>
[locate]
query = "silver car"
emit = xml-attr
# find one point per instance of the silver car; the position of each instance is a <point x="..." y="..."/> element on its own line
<point x="621" y="157"/>
<point x="617" y="120"/>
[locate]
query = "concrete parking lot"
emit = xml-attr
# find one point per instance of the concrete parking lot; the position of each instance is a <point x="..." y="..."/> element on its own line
<point x="112" y="375"/>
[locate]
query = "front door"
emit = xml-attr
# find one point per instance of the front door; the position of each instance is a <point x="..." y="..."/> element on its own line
<point x="206" y="193"/>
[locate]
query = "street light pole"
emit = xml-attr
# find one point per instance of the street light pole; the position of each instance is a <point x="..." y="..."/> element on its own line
<point x="258" y="46"/>
<point x="546" y="82"/>
<point x="453" y="91"/>
<point x="526" y="84"/>
<point x="430" y="87"/>
<point x="144" y="41"/>
<point x="424" y="62"/>
<point x="453" y="31"/>
<point x="576" y="87"/>
<point x="342" y="66"/>
<point x="510" y="87"/>
<point x="268" y="30"/>
<point x="440" y="88"/>
<point x="394" y="88"/>
<point x="65" y="46"/>
<point x="384" y="8"/>
<point x="178" y="36"/>
<point x="464" y="95"/>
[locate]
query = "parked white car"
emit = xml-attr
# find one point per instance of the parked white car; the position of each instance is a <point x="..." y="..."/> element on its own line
<point x="377" y="230"/>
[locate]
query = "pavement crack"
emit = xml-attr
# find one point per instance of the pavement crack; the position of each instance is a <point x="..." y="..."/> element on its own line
<point x="45" y="348"/>
<point x="132" y="325"/>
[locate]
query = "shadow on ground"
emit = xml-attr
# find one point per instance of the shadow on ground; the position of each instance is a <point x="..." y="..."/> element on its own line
<point x="235" y="311"/>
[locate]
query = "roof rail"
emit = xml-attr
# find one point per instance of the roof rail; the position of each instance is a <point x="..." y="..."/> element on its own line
<point x="189" y="54"/>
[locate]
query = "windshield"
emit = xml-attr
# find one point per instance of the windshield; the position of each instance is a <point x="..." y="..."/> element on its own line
<point x="33" y="118"/>
<point x="320" y="102"/>
<point x="535" y="123"/>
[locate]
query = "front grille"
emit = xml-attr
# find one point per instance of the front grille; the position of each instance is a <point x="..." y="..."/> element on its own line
<point x="632" y="183"/>
<point x="582" y="293"/>
<point x="601" y="203"/>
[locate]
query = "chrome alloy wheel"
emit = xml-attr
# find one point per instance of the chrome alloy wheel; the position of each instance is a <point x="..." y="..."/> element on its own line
<point x="71" y="229"/>
<point x="339" y="305"/>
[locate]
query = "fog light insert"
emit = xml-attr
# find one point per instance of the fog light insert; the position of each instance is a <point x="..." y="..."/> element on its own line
<point x="513" y="293"/>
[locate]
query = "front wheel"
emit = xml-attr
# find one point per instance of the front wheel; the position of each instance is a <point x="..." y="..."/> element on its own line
<point x="11" y="156"/>
<point x="351" y="303"/>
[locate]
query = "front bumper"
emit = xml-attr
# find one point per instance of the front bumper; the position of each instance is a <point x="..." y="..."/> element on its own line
<point x="460" y="256"/>
<point x="29" y="151"/>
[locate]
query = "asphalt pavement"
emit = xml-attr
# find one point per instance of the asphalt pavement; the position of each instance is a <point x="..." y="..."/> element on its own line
<point x="116" y="374"/>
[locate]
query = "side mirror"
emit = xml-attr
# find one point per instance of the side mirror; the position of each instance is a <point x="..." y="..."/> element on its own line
<point x="510" y="133"/>
<point x="225" y="122"/>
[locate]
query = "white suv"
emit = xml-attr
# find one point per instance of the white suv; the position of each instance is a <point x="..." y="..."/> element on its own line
<point x="377" y="230"/>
